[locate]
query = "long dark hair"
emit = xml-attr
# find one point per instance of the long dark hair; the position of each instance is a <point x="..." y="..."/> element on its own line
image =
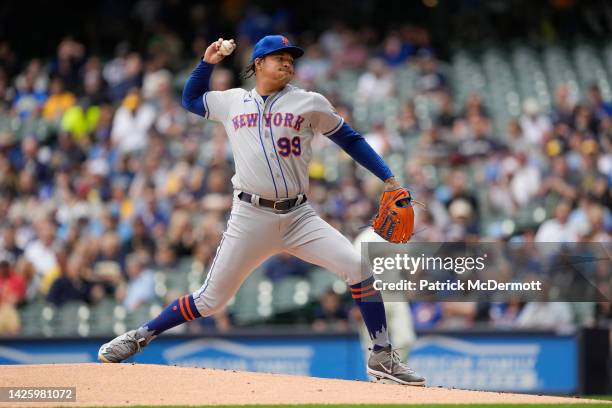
<point x="248" y="71"/>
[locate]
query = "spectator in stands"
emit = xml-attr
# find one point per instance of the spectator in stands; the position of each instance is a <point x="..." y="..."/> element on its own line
<point x="446" y="115"/>
<point x="58" y="102"/>
<point x="284" y="265"/>
<point x="151" y="211"/>
<point x="395" y="51"/>
<point x="601" y="108"/>
<point x="113" y="71"/>
<point x="71" y="286"/>
<point x="596" y="231"/>
<point x="28" y="100"/>
<point x="9" y="242"/>
<point x="34" y="70"/>
<point x="525" y="183"/>
<point x="132" y="123"/>
<point x="587" y="168"/>
<point x="218" y="196"/>
<point x="171" y="120"/>
<point x="545" y="315"/>
<point x="504" y="315"/>
<point x="42" y="254"/>
<point x="140" y="288"/>
<point x="28" y="159"/>
<point x="584" y="122"/>
<point x="514" y="137"/>
<point x="427" y="230"/>
<point x="563" y="109"/>
<point x="25" y="269"/>
<point x="457" y="189"/>
<point x="458" y="315"/>
<point x="462" y="226"/>
<point x="474" y="106"/>
<point x="180" y="233"/>
<point x="408" y="125"/>
<point x="480" y="144"/>
<point x="12" y="284"/>
<point x="376" y="83"/>
<point x="431" y="79"/>
<point x="536" y="125"/>
<point x="108" y="262"/>
<point x="330" y="313"/>
<point x="165" y="257"/>
<point x="601" y="191"/>
<point x="557" y="229"/>
<point x="94" y="87"/>
<point x="10" y="322"/>
<point x="382" y="140"/>
<point x="140" y="240"/>
<point x="254" y="25"/>
<point x="313" y="66"/>
<point x="435" y="148"/>
<point x="156" y="83"/>
<point x="68" y="62"/>
<point x="351" y="52"/>
<point x="129" y="77"/>
<point x="222" y="79"/>
<point x="559" y="183"/>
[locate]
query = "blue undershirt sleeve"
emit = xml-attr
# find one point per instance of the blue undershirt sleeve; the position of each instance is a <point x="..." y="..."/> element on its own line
<point x="356" y="146"/>
<point x="195" y="87"/>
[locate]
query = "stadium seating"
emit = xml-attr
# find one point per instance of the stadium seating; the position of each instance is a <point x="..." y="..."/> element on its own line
<point x="504" y="76"/>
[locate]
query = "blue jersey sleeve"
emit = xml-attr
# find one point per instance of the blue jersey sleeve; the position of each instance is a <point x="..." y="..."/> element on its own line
<point x="195" y="87"/>
<point x="356" y="146"/>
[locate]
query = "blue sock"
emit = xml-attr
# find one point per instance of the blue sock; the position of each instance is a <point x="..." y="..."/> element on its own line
<point x="372" y="308"/>
<point x="180" y="311"/>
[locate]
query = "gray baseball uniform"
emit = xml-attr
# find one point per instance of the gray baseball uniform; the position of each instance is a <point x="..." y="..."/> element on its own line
<point x="271" y="143"/>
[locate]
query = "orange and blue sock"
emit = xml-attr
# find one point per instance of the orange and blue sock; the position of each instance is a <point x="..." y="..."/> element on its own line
<point x="372" y="309"/>
<point x="180" y="311"/>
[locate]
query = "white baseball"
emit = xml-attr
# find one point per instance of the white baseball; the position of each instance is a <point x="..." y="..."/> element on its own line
<point x="227" y="47"/>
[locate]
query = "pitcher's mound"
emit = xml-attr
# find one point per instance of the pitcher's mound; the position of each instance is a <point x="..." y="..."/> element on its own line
<point x="143" y="384"/>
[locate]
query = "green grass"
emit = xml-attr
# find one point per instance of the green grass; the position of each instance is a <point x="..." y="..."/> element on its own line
<point x="577" y="404"/>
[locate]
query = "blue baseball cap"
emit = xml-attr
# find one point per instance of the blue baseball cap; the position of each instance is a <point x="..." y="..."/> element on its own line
<point x="274" y="43"/>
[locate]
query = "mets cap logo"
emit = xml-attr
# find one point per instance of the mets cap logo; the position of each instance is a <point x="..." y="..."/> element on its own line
<point x="285" y="41"/>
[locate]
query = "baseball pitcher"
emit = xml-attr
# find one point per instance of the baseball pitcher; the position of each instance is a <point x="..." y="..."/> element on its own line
<point x="270" y="130"/>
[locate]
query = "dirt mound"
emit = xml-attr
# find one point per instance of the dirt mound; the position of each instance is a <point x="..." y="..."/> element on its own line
<point x="143" y="384"/>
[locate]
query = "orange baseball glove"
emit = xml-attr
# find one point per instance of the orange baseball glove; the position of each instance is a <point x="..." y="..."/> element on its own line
<point x="395" y="219"/>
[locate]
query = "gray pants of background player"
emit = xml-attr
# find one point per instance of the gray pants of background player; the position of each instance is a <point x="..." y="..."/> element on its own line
<point x="254" y="234"/>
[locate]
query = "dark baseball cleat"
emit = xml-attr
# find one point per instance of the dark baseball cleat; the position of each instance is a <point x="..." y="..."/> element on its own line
<point x="122" y="347"/>
<point x="386" y="364"/>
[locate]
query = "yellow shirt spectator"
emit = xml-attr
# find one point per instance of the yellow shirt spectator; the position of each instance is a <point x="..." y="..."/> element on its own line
<point x="58" y="102"/>
<point x="56" y="105"/>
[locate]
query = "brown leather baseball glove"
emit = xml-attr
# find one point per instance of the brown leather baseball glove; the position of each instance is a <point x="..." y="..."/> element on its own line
<point x="395" y="219"/>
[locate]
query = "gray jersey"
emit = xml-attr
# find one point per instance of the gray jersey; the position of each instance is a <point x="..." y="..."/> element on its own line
<point x="271" y="140"/>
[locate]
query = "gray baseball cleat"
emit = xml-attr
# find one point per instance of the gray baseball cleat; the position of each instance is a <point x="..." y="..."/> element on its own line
<point x="386" y="363"/>
<point x="122" y="347"/>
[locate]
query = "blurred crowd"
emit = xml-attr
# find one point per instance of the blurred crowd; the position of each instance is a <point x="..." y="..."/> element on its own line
<point x="105" y="178"/>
